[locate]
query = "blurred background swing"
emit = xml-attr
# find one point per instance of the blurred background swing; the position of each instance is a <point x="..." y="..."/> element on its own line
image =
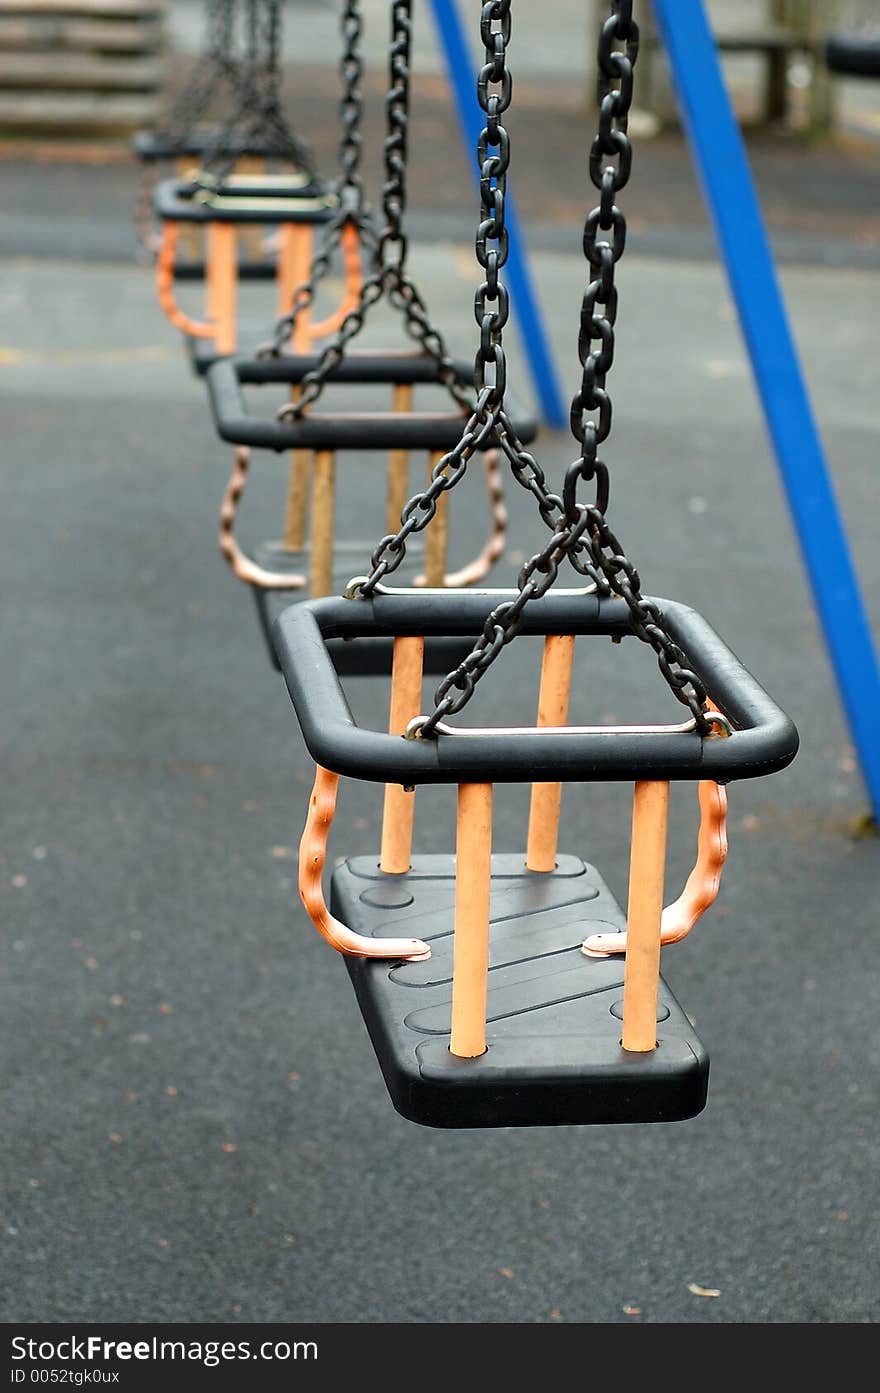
<point x="322" y="563"/>
<point x="256" y="191"/>
<point x="510" y="989"/>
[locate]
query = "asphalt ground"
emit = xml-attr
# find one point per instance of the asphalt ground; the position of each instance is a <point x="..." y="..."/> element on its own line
<point x="195" y="1128"/>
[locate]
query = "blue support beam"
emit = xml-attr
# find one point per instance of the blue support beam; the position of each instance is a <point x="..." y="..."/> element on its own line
<point x="720" y="156"/>
<point x="463" y="80"/>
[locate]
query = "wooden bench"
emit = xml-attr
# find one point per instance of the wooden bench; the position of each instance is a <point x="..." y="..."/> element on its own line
<point x="793" y="28"/>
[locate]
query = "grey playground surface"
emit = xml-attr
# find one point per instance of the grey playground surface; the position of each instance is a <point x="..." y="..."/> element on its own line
<point x="195" y="1128"/>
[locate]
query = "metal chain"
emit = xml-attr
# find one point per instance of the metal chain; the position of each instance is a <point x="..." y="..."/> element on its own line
<point x="259" y="116"/>
<point x="488" y="422"/>
<point x="578" y="529"/>
<point x="218" y="63"/>
<point x="348" y="189"/>
<point x="388" y="278"/>
<point x="609" y="165"/>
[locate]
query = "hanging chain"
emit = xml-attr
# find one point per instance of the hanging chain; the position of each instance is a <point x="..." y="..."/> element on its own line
<point x="352" y="208"/>
<point x="258" y="115"/>
<point x="609" y="165"/>
<point x="579" y="530"/>
<point x="269" y="81"/>
<point x="218" y="63"/>
<point x="388" y="278"/>
<point x="488" y="423"/>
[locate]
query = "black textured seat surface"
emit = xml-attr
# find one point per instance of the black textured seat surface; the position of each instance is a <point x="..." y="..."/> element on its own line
<point x="554" y="1015"/>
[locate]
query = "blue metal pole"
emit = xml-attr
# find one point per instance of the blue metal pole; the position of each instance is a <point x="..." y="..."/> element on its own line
<point x="463" y="79"/>
<point x="720" y="155"/>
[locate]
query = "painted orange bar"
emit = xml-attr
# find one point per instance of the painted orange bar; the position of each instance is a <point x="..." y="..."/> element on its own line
<point x="546" y="798"/>
<point x="473" y="880"/>
<point x="647" y="867"/>
<point x="222" y="277"/>
<point x="437" y="534"/>
<point x="323" y="489"/>
<point x="398" y="464"/>
<point x="294" y="269"/>
<point x="406" y="702"/>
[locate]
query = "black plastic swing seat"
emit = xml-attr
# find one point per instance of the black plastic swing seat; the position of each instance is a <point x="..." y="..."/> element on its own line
<point x="152" y="146"/>
<point x="554" y="1015"/>
<point x="326" y="430"/>
<point x="254" y="201"/>
<point x="762" y="738"/>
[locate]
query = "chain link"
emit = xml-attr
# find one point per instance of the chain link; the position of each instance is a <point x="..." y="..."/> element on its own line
<point x="388" y="279"/>
<point x="258" y="117"/>
<point x="488" y="422"/>
<point x="352" y="207"/>
<point x="579" y="531"/>
<point x="219" y="64"/>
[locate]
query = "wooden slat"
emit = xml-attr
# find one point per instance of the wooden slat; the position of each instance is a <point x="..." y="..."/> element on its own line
<point x="36" y="111"/>
<point x="71" y="70"/>
<point x="100" y="36"/>
<point x="761" y="40"/>
<point x="124" y="9"/>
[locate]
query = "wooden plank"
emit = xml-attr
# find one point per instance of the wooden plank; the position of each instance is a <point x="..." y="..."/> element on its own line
<point x="46" y="31"/>
<point x="35" y="111"/>
<point x="124" y="9"/>
<point x="48" y="70"/>
<point x="761" y="40"/>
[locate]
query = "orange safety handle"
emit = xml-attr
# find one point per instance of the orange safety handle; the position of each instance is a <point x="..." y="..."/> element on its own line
<point x="165" y="286"/>
<point x="246" y="569"/>
<point x="312" y="855"/>
<point x="474" y="571"/>
<point x="703" y="883"/>
<point x="350" y="246"/>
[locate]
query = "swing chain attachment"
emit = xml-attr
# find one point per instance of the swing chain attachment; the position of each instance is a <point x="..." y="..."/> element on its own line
<point x="389" y="277"/>
<point x="576" y="528"/>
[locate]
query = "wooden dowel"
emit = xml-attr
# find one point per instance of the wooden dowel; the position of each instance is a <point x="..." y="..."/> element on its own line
<point x="398" y="463"/>
<point x="323" y="485"/>
<point x="406" y="701"/>
<point x="251" y="234"/>
<point x="437" y="535"/>
<point x="645" y="906"/>
<point x="294" y="268"/>
<point x="473" y="880"/>
<point x="546" y="798"/>
<point x="222" y="283"/>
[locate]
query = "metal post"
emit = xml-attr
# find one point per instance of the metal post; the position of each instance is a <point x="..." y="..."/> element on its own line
<point x="720" y="156"/>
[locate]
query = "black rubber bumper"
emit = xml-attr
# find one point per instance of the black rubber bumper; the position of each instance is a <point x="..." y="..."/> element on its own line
<point x="764" y="739"/>
<point x="318" y="430"/>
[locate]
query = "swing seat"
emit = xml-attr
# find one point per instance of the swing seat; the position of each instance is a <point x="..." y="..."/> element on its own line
<point x="554" y="1014"/>
<point x="363" y="430"/>
<point x="553" y="1019"/>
